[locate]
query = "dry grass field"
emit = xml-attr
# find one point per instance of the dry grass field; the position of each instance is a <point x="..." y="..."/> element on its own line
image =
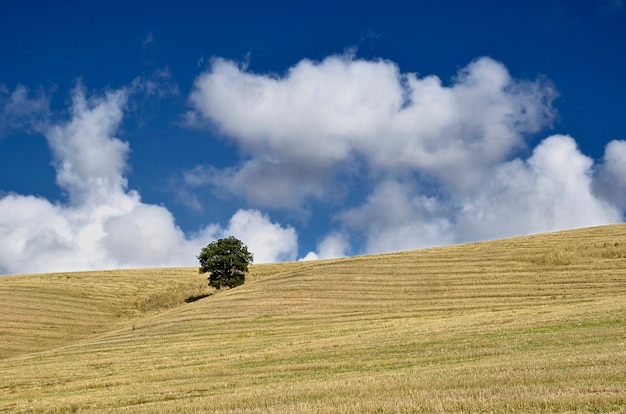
<point x="530" y="324"/>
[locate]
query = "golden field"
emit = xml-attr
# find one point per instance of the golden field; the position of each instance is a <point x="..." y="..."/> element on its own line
<point x="528" y="324"/>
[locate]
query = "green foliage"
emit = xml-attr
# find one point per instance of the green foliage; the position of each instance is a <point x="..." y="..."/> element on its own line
<point x="227" y="260"/>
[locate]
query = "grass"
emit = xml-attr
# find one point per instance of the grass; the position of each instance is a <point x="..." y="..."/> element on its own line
<point x="40" y="312"/>
<point x="530" y="324"/>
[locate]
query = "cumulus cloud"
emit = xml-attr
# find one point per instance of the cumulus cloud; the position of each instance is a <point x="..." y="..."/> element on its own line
<point x="396" y="217"/>
<point x="88" y="159"/>
<point x="439" y="159"/>
<point x="551" y="190"/>
<point x="610" y="184"/>
<point x="333" y="246"/>
<point x="396" y="160"/>
<point x="298" y="130"/>
<point x="103" y="224"/>
<point x="268" y="241"/>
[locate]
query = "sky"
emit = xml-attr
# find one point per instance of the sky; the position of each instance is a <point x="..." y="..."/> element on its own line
<point x="132" y="134"/>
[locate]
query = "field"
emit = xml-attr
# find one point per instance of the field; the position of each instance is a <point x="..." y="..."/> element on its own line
<point x="529" y="324"/>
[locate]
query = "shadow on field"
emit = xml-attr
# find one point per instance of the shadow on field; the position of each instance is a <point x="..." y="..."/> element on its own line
<point x="195" y="298"/>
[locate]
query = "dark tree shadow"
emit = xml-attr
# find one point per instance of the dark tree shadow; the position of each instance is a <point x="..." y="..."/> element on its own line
<point x="195" y="298"/>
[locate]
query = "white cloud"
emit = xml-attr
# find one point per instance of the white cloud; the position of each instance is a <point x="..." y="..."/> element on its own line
<point x="611" y="180"/>
<point x="395" y="217"/>
<point x="333" y="246"/>
<point x="551" y="190"/>
<point x="89" y="161"/>
<point x="298" y="131"/>
<point x="145" y="235"/>
<point x="423" y="164"/>
<point x="264" y="182"/>
<point x="438" y="158"/>
<point x="268" y="241"/>
<point x="105" y="225"/>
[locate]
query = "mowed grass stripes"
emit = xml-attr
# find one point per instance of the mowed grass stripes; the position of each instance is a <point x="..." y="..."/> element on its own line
<point x="40" y="312"/>
<point x="531" y="324"/>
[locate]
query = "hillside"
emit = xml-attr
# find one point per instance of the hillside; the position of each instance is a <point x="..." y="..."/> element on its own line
<point x="46" y="311"/>
<point x="534" y="323"/>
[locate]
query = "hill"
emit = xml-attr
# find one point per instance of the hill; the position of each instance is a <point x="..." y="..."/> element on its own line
<point x="49" y="310"/>
<point x="527" y="324"/>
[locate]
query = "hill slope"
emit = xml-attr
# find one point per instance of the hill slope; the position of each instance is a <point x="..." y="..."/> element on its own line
<point x="534" y="323"/>
<point x="45" y="311"/>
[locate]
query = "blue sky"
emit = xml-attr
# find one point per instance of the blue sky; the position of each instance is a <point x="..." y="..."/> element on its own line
<point x="134" y="133"/>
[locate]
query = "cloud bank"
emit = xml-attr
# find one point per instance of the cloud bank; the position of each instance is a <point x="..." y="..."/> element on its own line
<point x="103" y="224"/>
<point x="440" y="161"/>
<point x="320" y="117"/>
<point x="397" y="160"/>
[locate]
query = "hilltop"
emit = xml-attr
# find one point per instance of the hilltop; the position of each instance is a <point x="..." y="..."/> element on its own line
<point x="535" y="323"/>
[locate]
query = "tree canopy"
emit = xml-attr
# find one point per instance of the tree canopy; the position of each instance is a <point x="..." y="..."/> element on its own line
<point x="227" y="260"/>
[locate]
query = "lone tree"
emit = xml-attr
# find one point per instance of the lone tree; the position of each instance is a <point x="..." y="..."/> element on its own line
<point x="227" y="259"/>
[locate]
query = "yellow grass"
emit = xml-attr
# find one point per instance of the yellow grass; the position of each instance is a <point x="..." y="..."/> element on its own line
<point x="40" y="312"/>
<point x="531" y="324"/>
